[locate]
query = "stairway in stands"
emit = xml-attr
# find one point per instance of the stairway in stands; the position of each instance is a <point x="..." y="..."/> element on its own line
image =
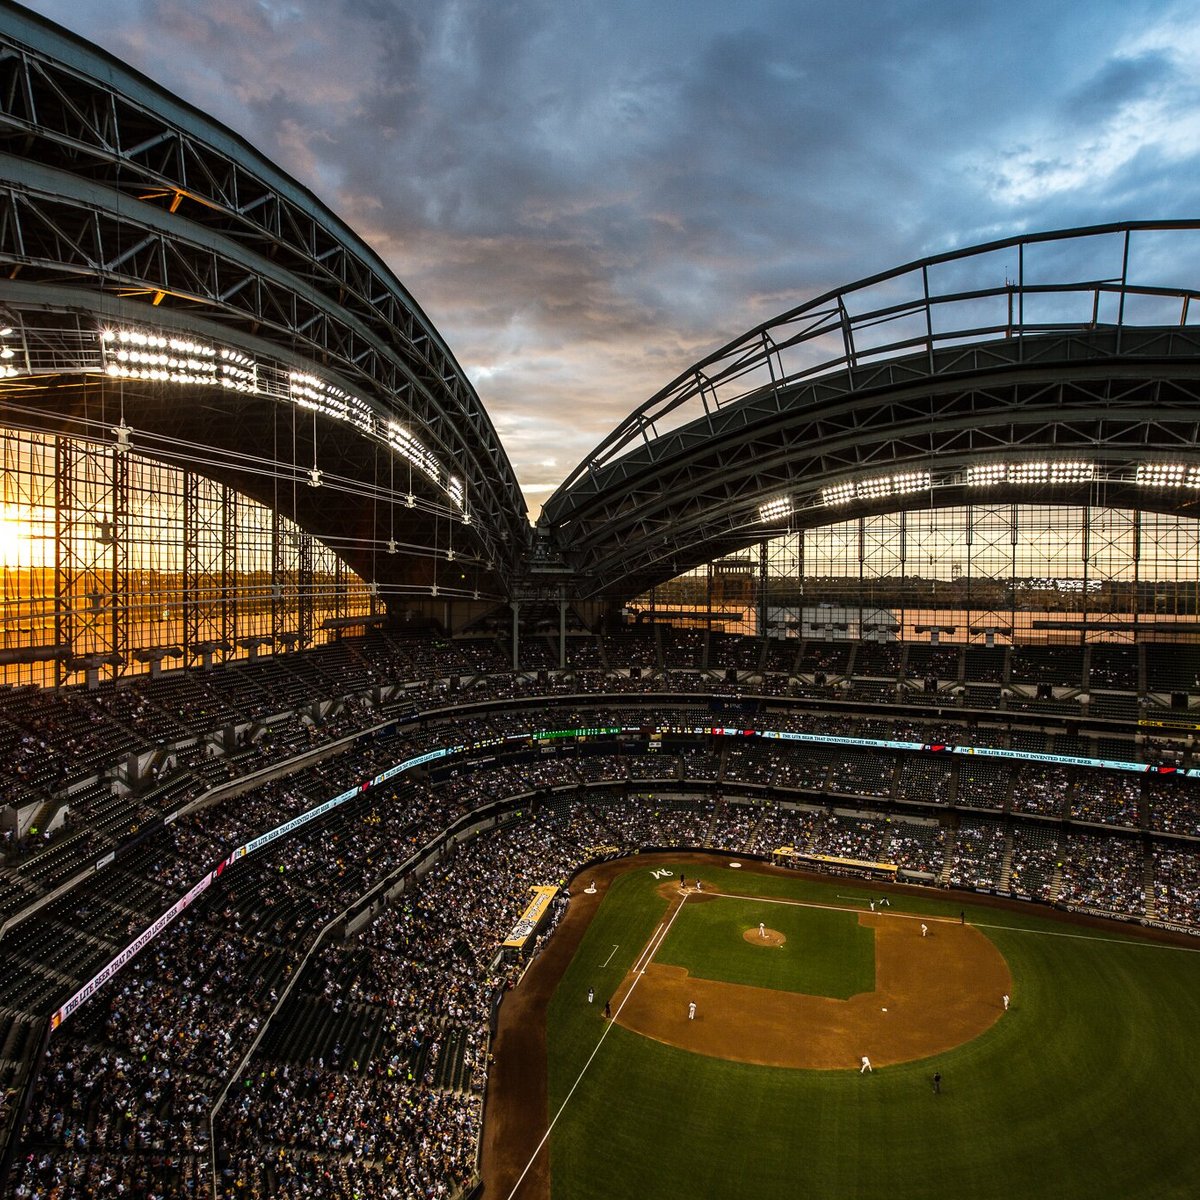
<point x="1006" y="864"/>
<point x="1151" y="892"/>
<point x="950" y="850"/>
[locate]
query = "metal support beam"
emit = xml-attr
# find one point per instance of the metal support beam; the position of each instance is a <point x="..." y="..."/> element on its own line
<point x="562" y="630"/>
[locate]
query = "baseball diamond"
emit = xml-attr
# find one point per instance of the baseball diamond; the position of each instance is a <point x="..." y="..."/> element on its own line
<point x="928" y="997"/>
<point x="764" y="1086"/>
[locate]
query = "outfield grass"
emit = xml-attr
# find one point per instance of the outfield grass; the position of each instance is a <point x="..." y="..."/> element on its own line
<point x="1085" y="1089"/>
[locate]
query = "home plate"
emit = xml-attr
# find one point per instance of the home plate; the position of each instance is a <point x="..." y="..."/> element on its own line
<point x="883" y="1010"/>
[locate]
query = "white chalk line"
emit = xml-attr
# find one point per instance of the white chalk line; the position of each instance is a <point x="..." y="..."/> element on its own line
<point x="900" y="916"/>
<point x="640" y="965"/>
<point x="1091" y="937"/>
<point x="609" y="958"/>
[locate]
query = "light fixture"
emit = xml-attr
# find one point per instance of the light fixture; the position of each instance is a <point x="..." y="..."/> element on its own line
<point x="409" y="447"/>
<point x="911" y="481"/>
<point x="839" y="493"/>
<point x="902" y="483"/>
<point x="1167" y="475"/>
<point x="1072" y="472"/>
<point x="987" y="474"/>
<point x="166" y="357"/>
<point x="307" y="391"/>
<point x="135" y="354"/>
<point x="775" y="510"/>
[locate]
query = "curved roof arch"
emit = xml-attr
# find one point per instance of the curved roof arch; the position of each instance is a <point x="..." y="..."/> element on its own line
<point x="1059" y="367"/>
<point x="122" y="209"/>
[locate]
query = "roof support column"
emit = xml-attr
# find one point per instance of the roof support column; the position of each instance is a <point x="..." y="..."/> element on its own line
<point x="762" y="588"/>
<point x="562" y="630"/>
<point x="516" y="635"/>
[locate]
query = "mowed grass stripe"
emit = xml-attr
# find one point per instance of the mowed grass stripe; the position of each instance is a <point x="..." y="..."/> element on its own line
<point x="1083" y="1089"/>
<point x="827" y="952"/>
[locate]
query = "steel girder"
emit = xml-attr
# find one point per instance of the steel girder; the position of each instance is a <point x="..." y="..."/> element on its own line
<point x="1060" y="344"/>
<point x="1114" y="400"/>
<point x="119" y="194"/>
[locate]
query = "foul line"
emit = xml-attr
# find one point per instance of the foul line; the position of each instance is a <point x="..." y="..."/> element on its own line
<point x="900" y="916"/>
<point x="639" y="966"/>
<point x="1089" y="937"/>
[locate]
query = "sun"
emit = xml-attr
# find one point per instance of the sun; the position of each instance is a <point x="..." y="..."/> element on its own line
<point x="14" y="542"/>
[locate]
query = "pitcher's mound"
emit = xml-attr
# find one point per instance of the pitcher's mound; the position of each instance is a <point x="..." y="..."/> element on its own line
<point x="773" y="937"/>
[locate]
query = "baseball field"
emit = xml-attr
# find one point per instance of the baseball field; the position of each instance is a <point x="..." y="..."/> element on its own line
<point x="1085" y="1086"/>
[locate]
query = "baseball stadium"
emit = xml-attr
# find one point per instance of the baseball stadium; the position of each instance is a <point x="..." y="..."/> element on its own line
<point x="805" y="804"/>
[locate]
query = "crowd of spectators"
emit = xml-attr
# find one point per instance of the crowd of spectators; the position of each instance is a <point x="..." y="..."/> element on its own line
<point x="1038" y="789"/>
<point x="1034" y="867"/>
<point x="1104" y="874"/>
<point x="1172" y="807"/>
<point x="843" y="836"/>
<point x="1176" y="885"/>
<point x="781" y="827"/>
<point x="862" y="772"/>
<point x="1107" y="799"/>
<point x="979" y="849"/>
<point x="123" y="1099"/>
<point x="927" y="780"/>
<point x="734" y="824"/>
<point x="918" y="846"/>
<point x="984" y="783"/>
<point x="187" y="715"/>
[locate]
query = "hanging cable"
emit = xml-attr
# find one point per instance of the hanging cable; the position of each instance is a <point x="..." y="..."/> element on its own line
<point x="391" y="503"/>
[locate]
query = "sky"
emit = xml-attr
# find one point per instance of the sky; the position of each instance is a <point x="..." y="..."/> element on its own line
<point x="586" y="198"/>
